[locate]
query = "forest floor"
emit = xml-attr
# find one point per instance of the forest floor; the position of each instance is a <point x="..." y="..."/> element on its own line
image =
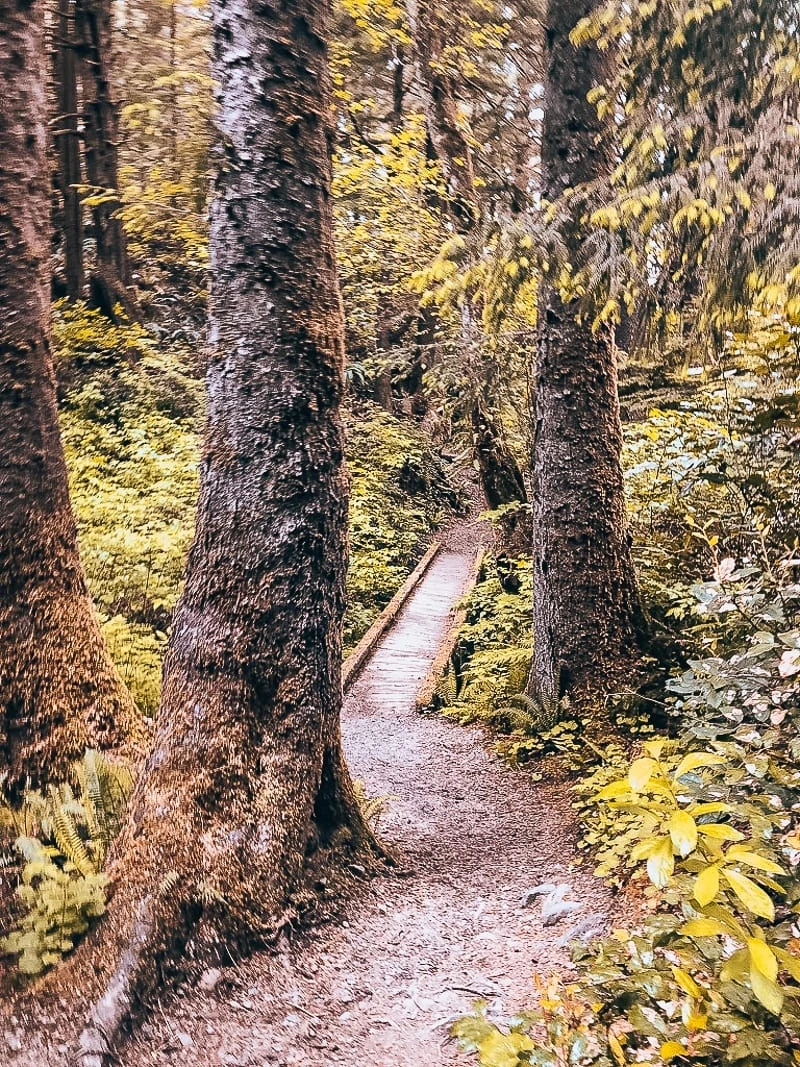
<point x="383" y="984"/>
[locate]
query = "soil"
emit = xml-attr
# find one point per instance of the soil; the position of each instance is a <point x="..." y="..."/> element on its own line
<point x="454" y="923"/>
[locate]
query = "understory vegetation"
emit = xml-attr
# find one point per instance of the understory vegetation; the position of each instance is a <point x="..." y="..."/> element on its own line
<point x="699" y="821"/>
<point x="132" y="416"/>
<point x="132" y="411"/>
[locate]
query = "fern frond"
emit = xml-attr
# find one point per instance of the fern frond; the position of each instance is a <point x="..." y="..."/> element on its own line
<point x="65" y="829"/>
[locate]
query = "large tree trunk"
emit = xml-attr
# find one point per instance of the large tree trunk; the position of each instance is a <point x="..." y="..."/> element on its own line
<point x="586" y="606"/>
<point x="59" y="691"/>
<point x="68" y="148"/>
<point x="111" y="282"/>
<point x="246" y="790"/>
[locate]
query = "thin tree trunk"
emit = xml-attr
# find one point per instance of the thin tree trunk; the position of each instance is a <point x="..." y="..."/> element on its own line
<point x="500" y="475"/>
<point x="59" y="691"/>
<point x="449" y="141"/>
<point x="587" y="614"/>
<point x="173" y="95"/>
<point x="69" y="148"/>
<point x="112" y="281"/>
<point x="398" y="86"/>
<point x="246" y="792"/>
<point x="501" y="478"/>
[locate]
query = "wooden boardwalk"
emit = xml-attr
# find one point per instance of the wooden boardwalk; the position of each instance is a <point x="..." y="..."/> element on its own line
<point x="404" y="656"/>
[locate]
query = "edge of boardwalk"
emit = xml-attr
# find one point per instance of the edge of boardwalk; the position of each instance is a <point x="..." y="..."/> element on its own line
<point x="358" y="657"/>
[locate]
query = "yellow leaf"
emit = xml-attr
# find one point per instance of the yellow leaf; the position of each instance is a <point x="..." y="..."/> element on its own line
<point x="702" y="928"/>
<point x="706" y="885"/>
<point x="671" y="1049"/>
<point x="692" y="760"/>
<point x="751" y="895"/>
<point x="613" y="790"/>
<point x="661" y="863"/>
<point x="766" y="991"/>
<point x="683" y="831"/>
<point x="686" y="982"/>
<point x="616" y="1050"/>
<point x="762" y="958"/>
<point x="640" y="773"/>
<point x="789" y="962"/>
<point x="502" y="1050"/>
<point x="720" y="831"/>
<point x="753" y="859"/>
<point x="769" y="191"/>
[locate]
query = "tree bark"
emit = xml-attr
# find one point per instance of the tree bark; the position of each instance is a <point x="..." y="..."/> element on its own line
<point x="246" y="790"/>
<point x="59" y="691"/>
<point x="443" y="123"/>
<point x="587" y="615"/>
<point x="501" y="477"/>
<point x="111" y="283"/>
<point x="68" y="148"/>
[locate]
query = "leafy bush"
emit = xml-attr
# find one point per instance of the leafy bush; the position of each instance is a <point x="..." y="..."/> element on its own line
<point x="62" y="839"/>
<point x="704" y="825"/>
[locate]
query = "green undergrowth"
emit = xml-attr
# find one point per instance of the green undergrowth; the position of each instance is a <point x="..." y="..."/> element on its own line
<point x="698" y="818"/>
<point x="60" y="838"/>
<point x="131" y="411"/>
<point x="401" y="492"/>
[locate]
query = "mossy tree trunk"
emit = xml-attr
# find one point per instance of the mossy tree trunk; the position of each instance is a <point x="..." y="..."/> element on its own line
<point x="246" y="789"/>
<point x="59" y="691"/>
<point x="587" y="615"/>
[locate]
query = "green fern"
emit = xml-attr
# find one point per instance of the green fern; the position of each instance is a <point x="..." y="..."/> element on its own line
<point x="63" y="839"/>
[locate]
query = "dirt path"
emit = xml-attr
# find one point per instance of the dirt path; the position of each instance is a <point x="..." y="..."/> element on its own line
<point x="414" y="951"/>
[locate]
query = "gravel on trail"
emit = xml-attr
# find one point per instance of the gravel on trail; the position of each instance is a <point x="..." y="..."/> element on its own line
<point x="486" y="894"/>
<point x="456" y="923"/>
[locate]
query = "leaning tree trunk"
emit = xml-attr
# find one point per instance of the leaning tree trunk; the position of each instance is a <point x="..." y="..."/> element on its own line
<point x="110" y="284"/>
<point x="586" y="606"/>
<point x="246" y="790"/>
<point x="59" y="691"/>
<point x="68" y="147"/>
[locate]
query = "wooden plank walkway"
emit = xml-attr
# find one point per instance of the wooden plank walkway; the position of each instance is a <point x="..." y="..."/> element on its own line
<point x="404" y="656"/>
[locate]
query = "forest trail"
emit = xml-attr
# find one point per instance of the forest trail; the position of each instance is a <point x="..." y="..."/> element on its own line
<point x="419" y="947"/>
